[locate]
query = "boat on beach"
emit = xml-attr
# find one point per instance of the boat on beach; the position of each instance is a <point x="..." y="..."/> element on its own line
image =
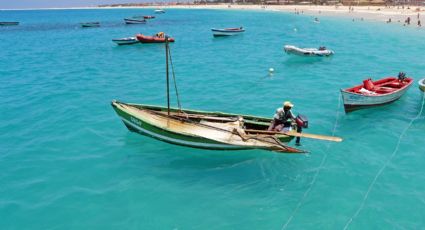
<point x="134" y="21"/>
<point x="9" y="23"/>
<point x="125" y="41"/>
<point x="152" y="39"/>
<point x="320" y="52"/>
<point x="90" y="24"/>
<point x="207" y="130"/>
<point x="227" y="31"/>
<point x="375" y="93"/>
<point x="422" y="85"/>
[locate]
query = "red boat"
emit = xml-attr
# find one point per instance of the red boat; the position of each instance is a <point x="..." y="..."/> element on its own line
<point x="149" y="17"/>
<point x="152" y="39"/>
<point x="374" y="93"/>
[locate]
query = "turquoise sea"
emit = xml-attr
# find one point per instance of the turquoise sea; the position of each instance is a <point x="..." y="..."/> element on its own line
<point x="68" y="162"/>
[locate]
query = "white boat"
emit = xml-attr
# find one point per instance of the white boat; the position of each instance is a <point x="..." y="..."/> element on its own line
<point x="422" y="85"/>
<point x="125" y="41"/>
<point x="322" y="51"/>
<point x="159" y="11"/>
<point x="375" y="93"/>
<point x="134" y="21"/>
<point x="227" y="31"/>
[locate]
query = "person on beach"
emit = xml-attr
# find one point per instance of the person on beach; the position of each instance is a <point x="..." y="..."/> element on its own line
<point x="419" y="23"/>
<point x="282" y="118"/>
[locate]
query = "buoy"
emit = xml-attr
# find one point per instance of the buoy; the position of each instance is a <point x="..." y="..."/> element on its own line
<point x="422" y="85"/>
<point x="271" y="70"/>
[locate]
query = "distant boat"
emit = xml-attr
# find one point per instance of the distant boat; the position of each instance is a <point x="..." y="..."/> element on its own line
<point x="134" y="21"/>
<point x="148" y="17"/>
<point x="125" y="41"/>
<point x="422" y="85"/>
<point x="90" y="24"/>
<point x="227" y="31"/>
<point x="159" y="11"/>
<point x="322" y="51"/>
<point x="374" y="93"/>
<point x="152" y="39"/>
<point x="9" y="23"/>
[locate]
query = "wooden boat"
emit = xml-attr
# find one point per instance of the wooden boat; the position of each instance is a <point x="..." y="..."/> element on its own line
<point x="159" y="11"/>
<point x="90" y="24"/>
<point x="322" y="51"/>
<point x="134" y="21"/>
<point x="422" y="85"/>
<point x="374" y="93"/>
<point x="227" y="31"/>
<point x="9" y="23"/>
<point x="125" y="41"/>
<point x="207" y="130"/>
<point x="152" y="39"/>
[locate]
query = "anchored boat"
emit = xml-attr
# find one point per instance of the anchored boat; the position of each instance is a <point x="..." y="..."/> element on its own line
<point x="9" y="23"/>
<point x="90" y="24"/>
<point x="208" y="130"/>
<point x="152" y="39"/>
<point x="159" y="11"/>
<point x="227" y="31"/>
<point x="374" y="93"/>
<point x="422" y="85"/>
<point x="134" y="21"/>
<point x="322" y="51"/>
<point x="148" y="17"/>
<point x="125" y="41"/>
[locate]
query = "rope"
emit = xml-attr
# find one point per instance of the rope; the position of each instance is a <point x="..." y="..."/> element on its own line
<point x="384" y="166"/>
<point x="175" y="82"/>
<point x="317" y="172"/>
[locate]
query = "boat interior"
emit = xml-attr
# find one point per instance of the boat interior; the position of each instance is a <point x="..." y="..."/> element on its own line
<point x="383" y="86"/>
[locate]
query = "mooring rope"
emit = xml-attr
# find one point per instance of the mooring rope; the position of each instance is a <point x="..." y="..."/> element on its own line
<point x="317" y="172"/>
<point x="174" y="80"/>
<point x="385" y="165"/>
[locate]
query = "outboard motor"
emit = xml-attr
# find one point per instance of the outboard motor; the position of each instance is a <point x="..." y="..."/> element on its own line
<point x="302" y="122"/>
<point x="401" y="76"/>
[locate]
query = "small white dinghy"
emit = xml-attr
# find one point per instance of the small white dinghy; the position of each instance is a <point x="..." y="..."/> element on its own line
<point x="422" y="85"/>
<point x="125" y="41"/>
<point x="322" y="51"/>
<point x="227" y="31"/>
<point x="159" y="11"/>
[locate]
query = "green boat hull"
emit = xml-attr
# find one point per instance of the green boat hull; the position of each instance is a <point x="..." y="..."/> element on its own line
<point x="141" y="126"/>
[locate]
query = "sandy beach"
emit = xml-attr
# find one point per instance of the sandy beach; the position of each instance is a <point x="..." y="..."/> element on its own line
<point x="397" y="14"/>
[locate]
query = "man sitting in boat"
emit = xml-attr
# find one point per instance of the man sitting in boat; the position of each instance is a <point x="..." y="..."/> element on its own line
<point x="283" y="118"/>
<point x="160" y="35"/>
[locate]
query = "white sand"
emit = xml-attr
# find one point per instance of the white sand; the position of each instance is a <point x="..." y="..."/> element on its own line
<point x="374" y="13"/>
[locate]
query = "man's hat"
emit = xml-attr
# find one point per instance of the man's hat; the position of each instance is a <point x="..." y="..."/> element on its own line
<point x="288" y="104"/>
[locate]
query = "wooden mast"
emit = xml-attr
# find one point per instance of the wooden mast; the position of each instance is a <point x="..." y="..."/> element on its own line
<point x="167" y="73"/>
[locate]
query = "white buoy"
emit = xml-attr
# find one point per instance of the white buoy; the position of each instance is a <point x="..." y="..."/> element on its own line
<point x="271" y="70"/>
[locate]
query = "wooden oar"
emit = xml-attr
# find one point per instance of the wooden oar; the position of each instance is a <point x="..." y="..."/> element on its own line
<point x="295" y="134"/>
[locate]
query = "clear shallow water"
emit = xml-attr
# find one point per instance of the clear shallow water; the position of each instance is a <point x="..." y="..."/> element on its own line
<point x="68" y="162"/>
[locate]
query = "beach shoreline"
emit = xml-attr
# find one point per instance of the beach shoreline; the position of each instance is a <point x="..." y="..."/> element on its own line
<point x="386" y="14"/>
